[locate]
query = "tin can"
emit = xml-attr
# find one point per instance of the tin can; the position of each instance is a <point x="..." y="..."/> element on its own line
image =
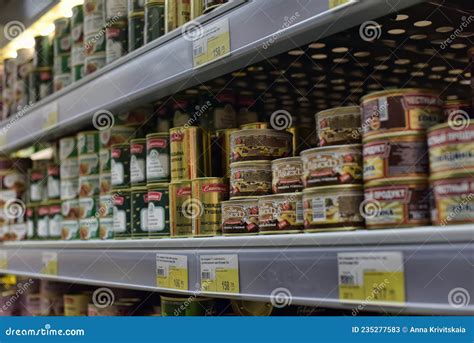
<point x="400" y="109"/>
<point x="116" y="44"/>
<point x="75" y="304"/>
<point x="69" y="168"/>
<point x="105" y="183"/>
<point x="40" y="84"/>
<point x="189" y="150"/>
<point x="88" y="207"/>
<point x="453" y="198"/>
<point x="13" y="180"/>
<point x="138" y="154"/>
<point x="396" y="202"/>
<point x="136" y="30"/>
<point x="260" y="144"/>
<point x="104" y="161"/>
<point x="453" y="109"/>
<point x="220" y="147"/>
<point x="240" y="216"/>
<point x="69" y="229"/>
<point x="77" y="24"/>
<point x="180" y="201"/>
<point x="154" y="19"/>
<point x="94" y="16"/>
<point x="115" y="9"/>
<point x="333" y="208"/>
<point x="94" y="44"/>
<point x="255" y="126"/>
<point x="157" y="157"/>
<point x="121" y="202"/>
<point x="395" y="154"/>
<point x="173" y="14"/>
<point x="43" y="221"/>
<point x="250" y="178"/>
<point x="88" y="185"/>
<point x="116" y="135"/>
<point x="67" y="148"/>
<point x="31" y="221"/>
<point x="17" y="232"/>
<point x="61" y="81"/>
<point x="158" y="210"/>
<point x="280" y="213"/>
<point x="88" y="164"/>
<point x="451" y="148"/>
<point x="77" y="55"/>
<point x="287" y="175"/>
<point x="205" y="205"/>
<point x="332" y="165"/>
<point x="88" y="228"/>
<point x="55" y="219"/>
<point x="106" y="228"/>
<point x="340" y="125"/>
<point x="120" y="154"/>
<point x="77" y="72"/>
<point x="136" y="5"/>
<point x="52" y="184"/>
<point x="88" y="142"/>
<point x="197" y="6"/>
<point x="62" y="36"/>
<point x="105" y="206"/>
<point x="70" y="209"/>
<point x="93" y="63"/>
<point x="139" y="202"/>
<point x="43" y="56"/>
<point x="210" y="5"/>
<point x="69" y="188"/>
<point x="62" y="64"/>
<point x="37" y="185"/>
<point x="196" y="306"/>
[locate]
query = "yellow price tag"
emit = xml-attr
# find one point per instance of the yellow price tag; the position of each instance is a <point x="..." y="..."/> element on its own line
<point x="3" y="260"/>
<point x="384" y="286"/>
<point x="213" y="43"/>
<point x="3" y="139"/>
<point x="227" y="280"/>
<point x="50" y="115"/>
<point x="335" y="3"/>
<point x="50" y="263"/>
<point x="172" y="271"/>
<point x="220" y="273"/>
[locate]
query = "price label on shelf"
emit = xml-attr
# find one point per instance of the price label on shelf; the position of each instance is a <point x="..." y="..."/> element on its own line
<point x="172" y="271"/>
<point x="371" y="277"/>
<point x="3" y="259"/>
<point x="212" y="43"/>
<point x="337" y="3"/>
<point x="49" y="263"/>
<point x="3" y="138"/>
<point x="50" y="115"/>
<point x="220" y="273"/>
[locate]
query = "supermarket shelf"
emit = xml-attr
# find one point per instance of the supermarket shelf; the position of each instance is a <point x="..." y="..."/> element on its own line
<point x="436" y="261"/>
<point x="165" y="66"/>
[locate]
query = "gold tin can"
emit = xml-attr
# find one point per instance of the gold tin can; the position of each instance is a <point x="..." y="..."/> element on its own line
<point x="177" y="13"/>
<point x="181" y="209"/>
<point x="256" y="125"/>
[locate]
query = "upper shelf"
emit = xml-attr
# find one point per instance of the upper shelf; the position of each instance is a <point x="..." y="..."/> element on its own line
<point x="258" y="30"/>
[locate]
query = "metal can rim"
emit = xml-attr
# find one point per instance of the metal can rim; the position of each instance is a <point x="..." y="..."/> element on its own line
<point x="312" y="190"/>
<point x="397" y="181"/>
<point x="332" y="147"/>
<point x="398" y="91"/>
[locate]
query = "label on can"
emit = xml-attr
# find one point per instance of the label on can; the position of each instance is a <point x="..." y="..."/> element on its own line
<point x="341" y="125"/>
<point x="94" y="16"/>
<point x="157" y="159"/>
<point x="106" y="228"/>
<point x="105" y="181"/>
<point x="104" y="161"/>
<point x="121" y="213"/>
<point x="53" y="182"/>
<point x="205" y="205"/>
<point x="70" y="209"/>
<point x="116" y="8"/>
<point x="61" y="81"/>
<point x="139" y="212"/>
<point x="287" y="175"/>
<point x="120" y="165"/>
<point x="88" y="185"/>
<point x="116" y="135"/>
<point x="260" y="144"/>
<point x="106" y="206"/>
<point x="88" y="228"/>
<point x="250" y="178"/>
<point x="189" y="158"/>
<point x="77" y="55"/>
<point x="67" y="148"/>
<point x="69" y="168"/>
<point x="37" y="185"/>
<point x="55" y="220"/>
<point x="116" y="43"/>
<point x="43" y="222"/>
<point x="93" y="63"/>
<point x="280" y="213"/>
<point x="138" y="163"/>
<point x="88" y="207"/>
<point x="69" y="189"/>
<point x="88" y="164"/>
<point x="180" y="200"/>
<point x="69" y="229"/>
<point x="31" y="222"/>
<point x="158" y="212"/>
<point x="240" y="216"/>
<point x="88" y="142"/>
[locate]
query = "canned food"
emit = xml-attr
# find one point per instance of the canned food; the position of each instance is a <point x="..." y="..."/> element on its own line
<point x="93" y="63"/>
<point x="106" y="228"/>
<point x="197" y="6"/>
<point x="62" y="27"/>
<point x="453" y="198"/>
<point x="157" y="157"/>
<point x="333" y="208"/>
<point x="122" y="213"/>
<point x="43" y="56"/>
<point x="154" y="20"/>
<point x="89" y="185"/>
<point x="138" y="156"/>
<point x="69" y="168"/>
<point x="94" y="44"/>
<point x="158" y="209"/>
<point x="105" y="183"/>
<point x="400" y="109"/>
<point x="260" y="144"/>
<point x="180" y="202"/>
<point x="55" y="219"/>
<point x="136" y="30"/>
<point x="177" y="13"/>
<point x="116" y="135"/>
<point x="287" y="175"/>
<point x="280" y="213"/>
<point x="120" y="165"/>
<point x="105" y="206"/>
<point x="69" y="188"/>
<point x="77" y="72"/>
<point x="455" y="108"/>
<point x="451" y="148"/>
<point x="31" y="221"/>
<point x="69" y="229"/>
<point x="116" y="8"/>
<point x="17" y="232"/>
<point x="14" y="181"/>
<point x="75" y="304"/>
<point x="205" y="206"/>
<point x="137" y="5"/>
<point x="70" y="209"/>
<point x="88" y="207"/>
<point x="40" y="84"/>
<point x="43" y="221"/>
<point x="88" y="142"/>
<point x="139" y="225"/>
<point x="395" y="154"/>
<point x="195" y="306"/>
<point x="62" y="64"/>
<point x="240" y="216"/>
<point x="67" y="148"/>
<point x="104" y="161"/>
<point x="396" y="202"/>
<point x="77" y="55"/>
<point x="62" y="38"/>
<point x="332" y="165"/>
<point x="88" y="228"/>
<point x="210" y="5"/>
<point x="88" y="164"/>
<point x="37" y="188"/>
<point x="52" y="184"/>
<point x="94" y="16"/>
<point x="340" y="125"/>
<point x="255" y="125"/>
<point x="116" y="41"/>
<point x="250" y="178"/>
<point x="189" y="153"/>
<point x="61" y="81"/>
<point x="220" y="147"/>
<point x="77" y="24"/>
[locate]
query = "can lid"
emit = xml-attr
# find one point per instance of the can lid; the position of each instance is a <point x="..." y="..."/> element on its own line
<point x="150" y="2"/>
<point x="446" y="126"/>
<point x="395" y="92"/>
<point x="157" y="185"/>
<point x="250" y="163"/>
<point x="338" y="110"/>
<point x="395" y="181"/>
<point x="332" y="147"/>
<point x="262" y="131"/>
<point x="451" y="174"/>
<point x="54" y="202"/>
<point x="138" y="140"/>
<point x="121" y="145"/>
<point x="120" y="190"/>
<point x="220" y="131"/>
<point x="208" y="178"/>
<point x="138" y="189"/>
<point x="393" y="134"/>
<point x="158" y="134"/>
<point x="137" y="14"/>
<point x="282" y="195"/>
<point x="240" y="199"/>
<point x="457" y="102"/>
<point x="251" y="308"/>
<point x="287" y="159"/>
<point x="332" y="188"/>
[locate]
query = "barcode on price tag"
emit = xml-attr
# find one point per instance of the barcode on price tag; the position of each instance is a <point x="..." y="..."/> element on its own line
<point x="172" y="271"/>
<point x="220" y="273"/>
<point x="212" y="43"/>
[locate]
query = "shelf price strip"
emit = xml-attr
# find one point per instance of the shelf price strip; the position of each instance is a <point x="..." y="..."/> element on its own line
<point x="49" y="262"/>
<point x="212" y="43"/>
<point x="220" y="273"/>
<point x="3" y="260"/>
<point x="172" y="271"/>
<point x="372" y="277"/>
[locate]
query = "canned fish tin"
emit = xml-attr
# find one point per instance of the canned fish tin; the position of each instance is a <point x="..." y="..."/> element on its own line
<point x="88" y="207"/>
<point x="340" y="125"/>
<point x="62" y="64"/>
<point x="401" y="109"/>
<point x="104" y="161"/>
<point x="396" y="202"/>
<point x="94" y="16"/>
<point x="333" y="208"/>
<point x="332" y="165"/>
<point x="157" y="157"/>
<point x="115" y="9"/>
<point x="158" y="210"/>
<point x="43" y="56"/>
<point x="94" y="44"/>
<point x="453" y="109"/>
<point x="40" y="84"/>
<point x="88" y="142"/>
<point x="395" y="154"/>
<point x="136" y="30"/>
<point x="116" y="44"/>
<point x="69" y="229"/>
<point x="88" y="164"/>
<point x="67" y="148"/>
<point x="31" y="221"/>
<point x="136" y="5"/>
<point x="122" y="213"/>
<point x="105" y="183"/>
<point x="37" y="187"/>
<point x="139" y="203"/>
<point x="138" y="161"/>
<point x="43" y="221"/>
<point x="280" y="213"/>
<point x="69" y="188"/>
<point x="250" y="178"/>
<point x="88" y="228"/>
<point x="62" y="38"/>
<point x="52" y="184"/>
<point x="451" y="148"/>
<point x="77" y="24"/>
<point x="240" y="216"/>
<point x="189" y="153"/>
<point x="154" y="20"/>
<point x="69" y="168"/>
<point x="55" y="219"/>
<point x="105" y="206"/>
<point x="260" y="144"/>
<point x="205" y="205"/>
<point x="120" y="154"/>
<point x="453" y="198"/>
<point x="70" y="209"/>
<point x="88" y="185"/>
<point x="77" y="62"/>
<point x="93" y="63"/>
<point x="287" y="175"/>
<point x="116" y="135"/>
<point x="220" y="147"/>
<point x="61" y="81"/>
<point x="106" y="228"/>
<point x="180" y="201"/>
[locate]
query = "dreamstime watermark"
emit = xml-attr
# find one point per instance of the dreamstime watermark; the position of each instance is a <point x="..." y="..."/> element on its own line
<point x="288" y="21"/>
<point x="13" y="29"/>
<point x="17" y="117"/>
<point x="192" y="30"/>
<point x="185" y="304"/>
<point x="199" y="111"/>
<point x="375" y="116"/>
<point x="459" y="297"/>
<point x="22" y="288"/>
<point x="458" y="209"/>
<point x="459" y="120"/>
<point x="192" y="208"/>
<point x="103" y="208"/>
<point x="89" y="44"/>
<point x="376" y="290"/>
<point x="103" y="297"/>
<point x="281" y="297"/>
<point x="14" y="209"/>
<point x="281" y="120"/>
<point x="370" y="30"/>
<point x="103" y="120"/>
<point x="466" y="21"/>
<point x="370" y="208"/>
<point x="47" y="330"/>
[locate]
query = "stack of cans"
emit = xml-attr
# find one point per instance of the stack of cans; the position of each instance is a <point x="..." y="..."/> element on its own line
<point x="40" y="81"/>
<point x="77" y="48"/>
<point x="116" y="27"/>
<point x="94" y="35"/>
<point x="62" y="53"/>
<point x="7" y="86"/>
<point x="136" y="24"/>
<point x="24" y="64"/>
